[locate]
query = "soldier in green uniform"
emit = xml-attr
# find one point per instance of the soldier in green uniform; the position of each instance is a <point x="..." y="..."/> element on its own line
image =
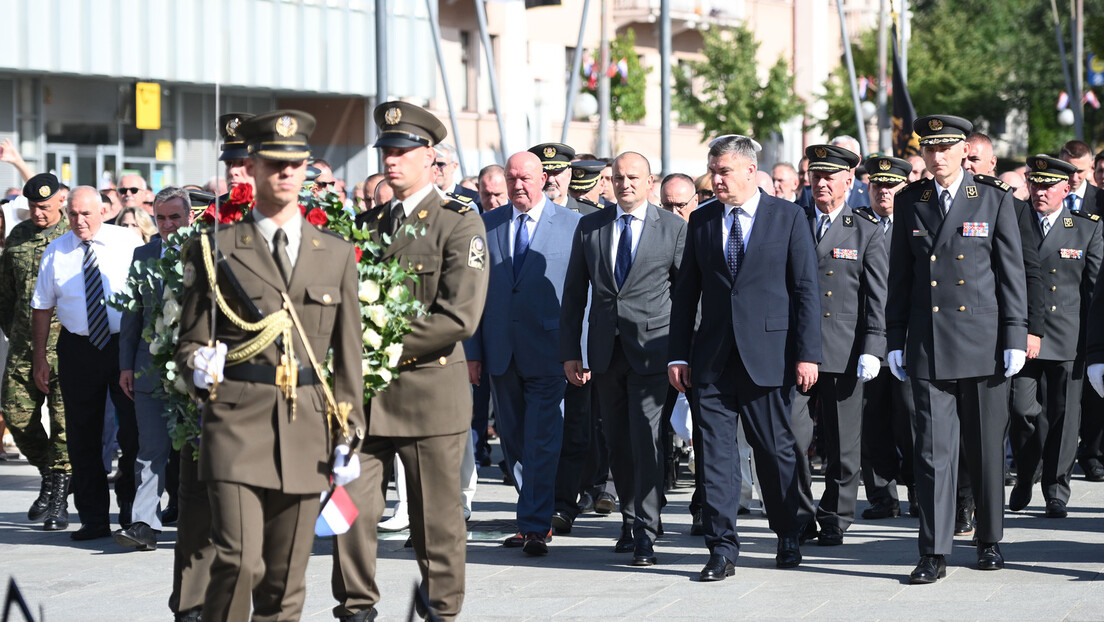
<point x="20" y="400"/>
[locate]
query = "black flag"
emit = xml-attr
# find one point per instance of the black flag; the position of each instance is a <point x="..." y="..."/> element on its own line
<point x="905" y="141"/>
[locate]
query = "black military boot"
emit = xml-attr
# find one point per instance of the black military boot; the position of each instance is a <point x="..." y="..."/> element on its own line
<point x="57" y="516"/>
<point x="42" y="503"/>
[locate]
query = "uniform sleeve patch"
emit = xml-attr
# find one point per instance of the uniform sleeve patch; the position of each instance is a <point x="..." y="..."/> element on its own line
<point x="477" y="253"/>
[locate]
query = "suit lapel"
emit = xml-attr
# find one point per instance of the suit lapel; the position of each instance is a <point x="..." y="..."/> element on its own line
<point x="928" y="215"/>
<point x="1057" y="235"/>
<point x="962" y="208"/>
<point x="836" y="234"/>
<point x="251" y="251"/>
<point x="714" y="240"/>
<point x="648" y="238"/>
<point x="540" y="237"/>
<point x="605" y="245"/>
<point x="501" y="233"/>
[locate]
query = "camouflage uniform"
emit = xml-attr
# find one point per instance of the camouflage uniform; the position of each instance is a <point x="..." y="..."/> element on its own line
<point x="20" y="399"/>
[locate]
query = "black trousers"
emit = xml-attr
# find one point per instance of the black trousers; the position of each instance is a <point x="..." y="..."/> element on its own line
<point x="573" y="451"/>
<point x="765" y="415"/>
<point x="886" y="436"/>
<point x="87" y="376"/>
<point x="1046" y="411"/>
<point x="481" y="415"/>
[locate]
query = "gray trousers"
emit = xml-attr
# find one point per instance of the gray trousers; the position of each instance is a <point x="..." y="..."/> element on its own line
<point x="154" y="446"/>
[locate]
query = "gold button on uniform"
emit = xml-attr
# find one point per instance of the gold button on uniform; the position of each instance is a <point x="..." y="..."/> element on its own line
<point x="933" y="283"/>
<point x="1053" y="288"/>
<point x="962" y="308"/>
<point x="1053" y="308"/>
<point x="961" y="282"/>
<point x="961" y="257"/>
<point x="933" y="257"/>
<point x="828" y="294"/>
<point x="1054" y="271"/>
<point x="935" y="309"/>
<point x="827" y="315"/>
<point x="442" y="360"/>
<point x="327" y="299"/>
<point x="418" y="267"/>
<point x="831" y="272"/>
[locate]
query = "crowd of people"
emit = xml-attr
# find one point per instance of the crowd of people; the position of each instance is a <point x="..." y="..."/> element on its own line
<point x="916" y="324"/>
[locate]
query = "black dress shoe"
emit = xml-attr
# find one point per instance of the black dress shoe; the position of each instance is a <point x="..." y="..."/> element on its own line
<point x="605" y="503"/>
<point x="169" y="515"/>
<point x="696" y="526"/>
<point x="1094" y="471"/>
<point x="1056" y="508"/>
<point x="1009" y="478"/>
<point x="138" y="536"/>
<point x="535" y="544"/>
<point x="644" y="555"/>
<point x="626" y="543"/>
<point x="191" y="615"/>
<point x="964" y="520"/>
<point x="366" y="615"/>
<point x="717" y="568"/>
<point x="808" y="532"/>
<point x="989" y="556"/>
<point x="789" y="553"/>
<point x="91" y="532"/>
<point x="586" y="503"/>
<point x="830" y="536"/>
<point x="930" y="569"/>
<point x="125" y="514"/>
<point x="409" y="544"/>
<point x="1020" y="496"/>
<point x="887" y="507"/>
<point x="561" y="522"/>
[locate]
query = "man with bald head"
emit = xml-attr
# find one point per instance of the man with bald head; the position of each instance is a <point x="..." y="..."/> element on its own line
<point x="79" y="272"/>
<point x="492" y="187"/>
<point x="626" y="259"/>
<point x="527" y="245"/>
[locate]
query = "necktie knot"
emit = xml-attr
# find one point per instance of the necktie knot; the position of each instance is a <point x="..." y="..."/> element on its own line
<point x="397" y="217"/>
<point x="1044" y="223"/>
<point x="822" y="227"/>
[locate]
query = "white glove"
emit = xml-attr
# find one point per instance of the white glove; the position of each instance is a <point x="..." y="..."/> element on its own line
<point x="346" y="467"/>
<point x="208" y="362"/>
<point x="1096" y="377"/>
<point x="869" y="366"/>
<point x="1014" y="362"/>
<point x="896" y="361"/>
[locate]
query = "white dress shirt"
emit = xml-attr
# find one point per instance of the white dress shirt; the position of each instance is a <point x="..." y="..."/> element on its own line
<point x="746" y="216"/>
<point x="413" y="200"/>
<point x="953" y="189"/>
<point x="60" y="284"/>
<point x="1052" y="218"/>
<point x="293" y="228"/>
<point x="530" y="223"/>
<point x="636" y="225"/>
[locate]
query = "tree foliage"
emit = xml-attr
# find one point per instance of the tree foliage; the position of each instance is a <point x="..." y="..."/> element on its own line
<point x="626" y="94"/>
<point x="724" y="93"/>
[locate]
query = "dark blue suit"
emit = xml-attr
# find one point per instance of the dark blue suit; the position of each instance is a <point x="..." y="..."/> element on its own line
<point x="754" y="329"/>
<point x="518" y="342"/>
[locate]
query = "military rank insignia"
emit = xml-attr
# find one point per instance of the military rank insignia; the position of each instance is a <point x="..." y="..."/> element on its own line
<point x="975" y="229"/>
<point x="845" y="253"/>
<point x="925" y="195"/>
<point x="848" y="221"/>
<point x="1067" y="222"/>
<point x="971" y="192"/>
<point x="1070" y="253"/>
<point x="477" y="253"/>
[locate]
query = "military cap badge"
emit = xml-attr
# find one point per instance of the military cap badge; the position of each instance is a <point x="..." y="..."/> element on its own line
<point x="44" y="191"/>
<point x="232" y="127"/>
<point x="884" y="165"/>
<point x="549" y="152"/>
<point x="286" y="126"/>
<point x="935" y="125"/>
<point x="1041" y="164"/>
<point x="821" y="152"/>
<point x="392" y="116"/>
<point x="579" y="173"/>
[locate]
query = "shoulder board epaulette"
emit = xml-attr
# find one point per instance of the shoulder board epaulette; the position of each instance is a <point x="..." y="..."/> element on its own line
<point x="1089" y="215"/>
<point x="335" y="234"/>
<point x="588" y="202"/>
<point x="458" y="197"/>
<point x="992" y="181"/>
<point x="916" y="184"/>
<point x="863" y="213"/>
<point x="455" y="204"/>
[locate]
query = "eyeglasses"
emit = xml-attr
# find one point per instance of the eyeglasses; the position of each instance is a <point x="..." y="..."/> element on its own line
<point x="440" y="164"/>
<point x="122" y="190"/>
<point x="674" y="206"/>
<point x="323" y="184"/>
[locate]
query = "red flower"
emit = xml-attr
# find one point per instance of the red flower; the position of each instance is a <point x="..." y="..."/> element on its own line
<point x="242" y="194"/>
<point x="317" y="217"/>
<point x="302" y="209"/>
<point x="228" y="213"/>
<point x="359" y="253"/>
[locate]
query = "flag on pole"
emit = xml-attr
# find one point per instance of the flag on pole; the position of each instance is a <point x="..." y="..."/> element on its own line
<point x="1063" y="101"/>
<point x="1091" y="99"/>
<point x="905" y="141"/>
<point x="337" y="515"/>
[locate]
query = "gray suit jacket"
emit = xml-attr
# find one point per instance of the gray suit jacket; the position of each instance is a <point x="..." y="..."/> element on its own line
<point x="1070" y="256"/>
<point x="640" y="312"/>
<point x="134" y="351"/>
<point x="853" y="268"/>
<point x="957" y="287"/>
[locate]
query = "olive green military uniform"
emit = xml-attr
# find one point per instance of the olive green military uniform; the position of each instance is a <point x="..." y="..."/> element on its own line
<point x="20" y="399"/>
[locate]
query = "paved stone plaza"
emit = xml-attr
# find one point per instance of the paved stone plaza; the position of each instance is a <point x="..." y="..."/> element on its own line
<point x="1054" y="569"/>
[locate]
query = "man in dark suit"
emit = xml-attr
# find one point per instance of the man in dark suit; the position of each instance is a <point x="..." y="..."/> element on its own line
<point x="1083" y="195"/>
<point x="445" y="167"/>
<point x="627" y="259"/>
<point x="853" y="265"/>
<point x="751" y="264"/>
<point x="424" y="415"/>
<point x="1046" y="395"/>
<point x="517" y="344"/>
<point x="1090" y="453"/>
<point x="265" y="499"/>
<point x="139" y="380"/>
<point x="887" y="402"/>
<point x="956" y="278"/>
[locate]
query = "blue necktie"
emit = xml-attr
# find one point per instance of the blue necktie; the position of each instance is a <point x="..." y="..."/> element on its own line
<point x="624" y="252"/>
<point x="825" y="222"/>
<point x="734" y="248"/>
<point x="945" y="201"/>
<point x="98" y="329"/>
<point x="1073" y="202"/>
<point x="521" y="243"/>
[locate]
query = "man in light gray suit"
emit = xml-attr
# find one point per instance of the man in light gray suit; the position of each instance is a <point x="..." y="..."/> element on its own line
<point x="627" y="258"/>
<point x="139" y="380"/>
<point x="528" y="244"/>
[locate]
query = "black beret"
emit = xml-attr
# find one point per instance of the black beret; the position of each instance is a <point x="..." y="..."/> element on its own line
<point x="41" y="187"/>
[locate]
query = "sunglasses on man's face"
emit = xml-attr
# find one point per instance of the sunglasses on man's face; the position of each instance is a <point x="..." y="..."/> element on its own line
<point x="323" y="184"/>
<point x="129" y="190"/>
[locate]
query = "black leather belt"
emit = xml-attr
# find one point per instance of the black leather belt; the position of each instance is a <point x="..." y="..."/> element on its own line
<point x="265" y="374"/>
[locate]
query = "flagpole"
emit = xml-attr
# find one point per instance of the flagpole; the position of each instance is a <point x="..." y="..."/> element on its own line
<point x="573" y="81"/>
<point x="884" y="143"/>
<point x="603" y="148"/>
<point x="859" y="121"/>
